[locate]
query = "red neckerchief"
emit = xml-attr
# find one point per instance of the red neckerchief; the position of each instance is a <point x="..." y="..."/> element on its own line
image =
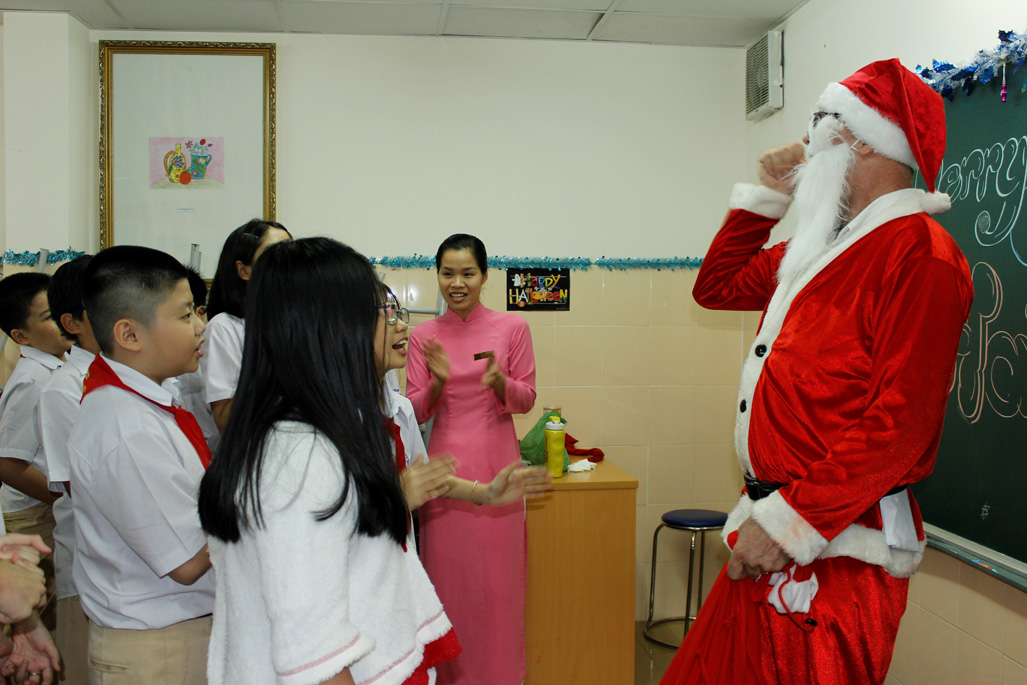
<point x="397" y="437"/>
<point x="100" y="374"/>
<point x="401" y="454"/>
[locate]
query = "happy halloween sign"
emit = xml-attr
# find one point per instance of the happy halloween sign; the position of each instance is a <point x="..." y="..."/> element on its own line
<point x="538" y="290"/>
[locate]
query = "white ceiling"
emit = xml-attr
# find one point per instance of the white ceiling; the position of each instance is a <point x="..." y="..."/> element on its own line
<point x="701" y="23"/>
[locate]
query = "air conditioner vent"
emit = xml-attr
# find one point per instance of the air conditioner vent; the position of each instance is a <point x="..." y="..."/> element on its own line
<point x="764" y="77"/>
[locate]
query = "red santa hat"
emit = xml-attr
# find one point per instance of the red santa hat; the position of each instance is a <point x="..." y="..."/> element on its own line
<point x="893" y="111"/>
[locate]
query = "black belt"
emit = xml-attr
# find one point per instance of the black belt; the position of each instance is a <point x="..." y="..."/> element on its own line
<point x="758" y="489"/>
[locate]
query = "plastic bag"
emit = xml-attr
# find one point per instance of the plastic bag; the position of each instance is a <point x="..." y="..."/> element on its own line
<point x="533" y="445"/>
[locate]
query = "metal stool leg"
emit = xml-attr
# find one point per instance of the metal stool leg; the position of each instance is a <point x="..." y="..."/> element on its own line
<point x="652" y="583"/>
<point x="702" y="565"/>
<point x="688" y="618"/>
<point x="688" y="588"/>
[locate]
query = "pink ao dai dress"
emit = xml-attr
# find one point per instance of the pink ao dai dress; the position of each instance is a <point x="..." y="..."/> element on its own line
<point x="476" y="556"/>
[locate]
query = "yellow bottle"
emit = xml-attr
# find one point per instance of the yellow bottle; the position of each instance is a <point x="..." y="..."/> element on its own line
<point x="554" y="447"/>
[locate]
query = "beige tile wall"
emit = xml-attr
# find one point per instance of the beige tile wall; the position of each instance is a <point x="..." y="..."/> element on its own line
<point x="644" y="373"/>
<point x="961" y="627"/>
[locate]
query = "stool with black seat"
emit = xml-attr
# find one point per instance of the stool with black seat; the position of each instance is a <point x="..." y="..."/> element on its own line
<point x="698" y="521"/>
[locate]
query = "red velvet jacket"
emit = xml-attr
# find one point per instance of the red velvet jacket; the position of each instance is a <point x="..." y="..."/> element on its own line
<point x="845" y="386"/>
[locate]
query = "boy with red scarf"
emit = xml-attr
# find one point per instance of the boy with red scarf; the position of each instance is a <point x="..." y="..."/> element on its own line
<point x="137" y="458"/>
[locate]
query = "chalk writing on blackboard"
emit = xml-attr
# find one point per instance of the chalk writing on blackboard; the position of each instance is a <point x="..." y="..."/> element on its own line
<point x="1001" y="169"/>
<point x="992" y="360"/>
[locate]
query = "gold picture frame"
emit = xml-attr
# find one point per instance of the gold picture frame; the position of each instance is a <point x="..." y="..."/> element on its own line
<point x="215" y="99"/>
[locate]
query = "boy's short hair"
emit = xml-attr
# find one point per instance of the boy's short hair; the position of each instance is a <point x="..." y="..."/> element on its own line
<point x="198" y="286"/>
<point x="16" y="294"/>
<point x="65" y="292"/>
<point x="128" y="282"/>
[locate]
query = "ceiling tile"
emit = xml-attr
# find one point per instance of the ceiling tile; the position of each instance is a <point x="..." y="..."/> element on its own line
<point x="95" y="14"/>
<point x="364" y="18"/>
<point x="591" y="5"/>
<point x="675" y="22"/>
<point x="399" y="3"/>
<point x="739" y="9"/>
<point x="514" y="23"/>
<point x="696" y="31"/>
<point x="200" y="15"/>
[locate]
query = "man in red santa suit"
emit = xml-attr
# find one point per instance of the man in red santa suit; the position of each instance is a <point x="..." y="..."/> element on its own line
<point x="844" y="389"/>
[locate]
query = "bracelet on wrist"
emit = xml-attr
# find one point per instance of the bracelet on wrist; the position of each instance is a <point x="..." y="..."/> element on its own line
<point x="473" y="487"/>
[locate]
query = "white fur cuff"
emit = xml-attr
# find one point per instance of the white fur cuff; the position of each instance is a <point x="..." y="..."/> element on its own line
<point x="759" y="200"/>
<point x="798" y="538"/>
<point x="855" y="541"/>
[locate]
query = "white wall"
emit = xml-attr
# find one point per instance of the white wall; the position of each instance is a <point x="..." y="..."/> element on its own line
<point x="49" y="131"/>
<point x="827" y="40"/>
<point x="541" y="148"/>
<point x="83" y="132"/>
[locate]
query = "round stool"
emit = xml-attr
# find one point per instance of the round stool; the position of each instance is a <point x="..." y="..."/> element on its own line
<point x="698" y="521"/>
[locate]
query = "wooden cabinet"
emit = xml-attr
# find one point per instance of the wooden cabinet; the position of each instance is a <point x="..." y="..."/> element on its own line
<point x="580" y="613"/>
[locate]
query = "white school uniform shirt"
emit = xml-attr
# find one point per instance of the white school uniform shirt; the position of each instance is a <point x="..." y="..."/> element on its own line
<point x="193" y="396"/>
<point x="353" y="601"/>
<point x="222" y="356"/>
<point x="19" y="419"/>
<point x="58" y="407"/>
<point x="134" y="480"/>
<point x="399" y="409"/>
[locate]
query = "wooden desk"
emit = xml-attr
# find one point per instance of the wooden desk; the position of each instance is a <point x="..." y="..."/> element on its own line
<point x="580" y="613"/>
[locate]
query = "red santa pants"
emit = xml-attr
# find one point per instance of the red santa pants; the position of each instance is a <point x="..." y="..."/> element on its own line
<point x="857" y="609"/>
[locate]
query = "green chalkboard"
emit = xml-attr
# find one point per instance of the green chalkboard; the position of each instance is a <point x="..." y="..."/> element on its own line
<point x="978" y="490"/>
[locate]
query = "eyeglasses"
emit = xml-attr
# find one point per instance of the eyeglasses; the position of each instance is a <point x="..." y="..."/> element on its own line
<point x="394" y="313"/>
<point x="817" y="116"/>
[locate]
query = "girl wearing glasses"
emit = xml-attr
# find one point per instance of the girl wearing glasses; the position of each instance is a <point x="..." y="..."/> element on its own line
<point x="422" y="479"/>
<point x="471" y="369"/>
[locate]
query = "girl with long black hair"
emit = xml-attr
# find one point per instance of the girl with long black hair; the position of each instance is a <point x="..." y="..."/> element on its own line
<point x="317" y="576"/>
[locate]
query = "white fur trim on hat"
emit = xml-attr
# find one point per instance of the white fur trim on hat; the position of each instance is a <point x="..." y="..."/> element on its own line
<point x="759" y="200"/>
<point x="936" y="203"/>
<point x="867" y="124"/>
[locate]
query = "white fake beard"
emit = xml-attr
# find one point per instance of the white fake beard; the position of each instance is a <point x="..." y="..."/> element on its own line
<point x="821" y="196"/>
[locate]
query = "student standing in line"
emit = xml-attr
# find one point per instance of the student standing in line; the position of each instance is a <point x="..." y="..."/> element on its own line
<point x="25" y="497"/>
<point x="317" y="577"/>
<point x="225" y="333"/>
<point x="472" y="369"/>
<point x="58" y="406"/>
<point x="136" y="461"/>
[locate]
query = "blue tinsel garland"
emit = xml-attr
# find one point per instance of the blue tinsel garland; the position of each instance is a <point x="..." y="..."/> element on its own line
<point x="32" y="258"/>
<point x="946" y="78"/>
<point x="428" y="261"/>
<point x="573" y="263"/>
<point x="646" y="263"/>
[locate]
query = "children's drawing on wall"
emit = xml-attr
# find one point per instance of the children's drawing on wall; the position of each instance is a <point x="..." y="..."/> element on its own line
<point x="187" y="163"/>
